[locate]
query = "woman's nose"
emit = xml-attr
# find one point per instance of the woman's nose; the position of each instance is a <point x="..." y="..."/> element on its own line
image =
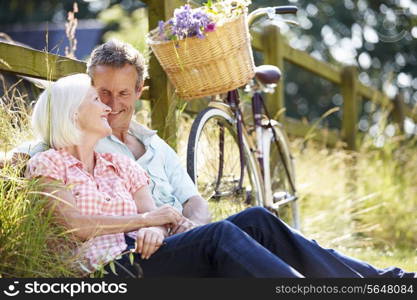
<point x="107" y="109"/>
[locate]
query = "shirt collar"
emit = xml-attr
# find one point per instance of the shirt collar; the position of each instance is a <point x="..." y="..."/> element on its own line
<point x="69" y="159"/>
<point x="141" y="132"/>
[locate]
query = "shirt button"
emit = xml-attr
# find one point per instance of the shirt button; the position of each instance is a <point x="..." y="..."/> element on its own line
<point x="107" y="198"/>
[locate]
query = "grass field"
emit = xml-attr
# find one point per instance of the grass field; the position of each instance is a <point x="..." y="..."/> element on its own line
<point x="363" y="204"/>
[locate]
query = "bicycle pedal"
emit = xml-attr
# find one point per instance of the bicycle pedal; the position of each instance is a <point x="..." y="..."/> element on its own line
<point x="281" y="198"/>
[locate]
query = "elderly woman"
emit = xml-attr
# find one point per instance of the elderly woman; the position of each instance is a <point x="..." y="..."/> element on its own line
<point x="103" y="195"/>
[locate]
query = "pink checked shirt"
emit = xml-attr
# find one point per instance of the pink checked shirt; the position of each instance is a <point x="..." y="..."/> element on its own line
<point x="108" y="192"/>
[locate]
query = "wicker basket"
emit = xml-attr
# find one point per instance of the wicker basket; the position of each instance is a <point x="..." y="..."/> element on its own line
<point x="220" y="62"/>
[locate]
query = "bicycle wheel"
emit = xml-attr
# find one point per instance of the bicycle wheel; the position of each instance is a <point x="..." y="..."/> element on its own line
<point x="213" y="162"/>
<point x="282" y="182"/>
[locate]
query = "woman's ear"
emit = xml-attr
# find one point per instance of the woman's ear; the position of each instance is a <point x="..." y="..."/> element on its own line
<point x="75" y="117"/>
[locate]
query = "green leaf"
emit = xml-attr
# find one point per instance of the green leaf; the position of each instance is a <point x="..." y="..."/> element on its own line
<point x="113" y="267"/>
<point x="209" y="3"/>
<point x="212" y="11"/>
<point x="131" y="258"/>
<point x="99" y="272"/>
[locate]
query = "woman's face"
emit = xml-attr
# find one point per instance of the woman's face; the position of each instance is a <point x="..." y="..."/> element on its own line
<point x="92" y="115"/>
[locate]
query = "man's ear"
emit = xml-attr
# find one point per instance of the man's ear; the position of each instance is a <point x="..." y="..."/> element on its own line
<point x="139" y="91"/>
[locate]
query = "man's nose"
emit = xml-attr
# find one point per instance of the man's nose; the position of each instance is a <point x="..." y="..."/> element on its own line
<point x="108" y="100"/>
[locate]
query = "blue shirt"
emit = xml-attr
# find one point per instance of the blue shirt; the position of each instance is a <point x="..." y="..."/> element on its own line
<point x="170" y="182"/>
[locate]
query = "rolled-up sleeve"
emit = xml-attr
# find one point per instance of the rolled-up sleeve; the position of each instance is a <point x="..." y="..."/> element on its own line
<point x="183" y="186"/>
<point x="45" y="164"/>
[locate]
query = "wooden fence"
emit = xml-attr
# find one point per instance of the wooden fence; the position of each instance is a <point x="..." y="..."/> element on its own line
<point x="276" y="50"/>
<point x="29" y="62"/>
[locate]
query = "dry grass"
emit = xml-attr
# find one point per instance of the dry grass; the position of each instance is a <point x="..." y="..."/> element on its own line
<point x="31" y="244"/>
<point x="363" y="204"/>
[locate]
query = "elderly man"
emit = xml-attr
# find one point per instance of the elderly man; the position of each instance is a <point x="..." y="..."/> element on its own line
<point x="117" y="71"/>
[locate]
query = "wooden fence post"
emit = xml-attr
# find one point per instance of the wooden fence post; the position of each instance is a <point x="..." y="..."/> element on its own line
<point x="273" y="55"/>
<point x="349" y="89"/>
<point x="163" y="100"/>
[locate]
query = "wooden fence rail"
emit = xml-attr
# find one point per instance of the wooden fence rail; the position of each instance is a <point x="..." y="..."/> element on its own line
<point x="38" y="64"/>
<point x="276" y="50"/>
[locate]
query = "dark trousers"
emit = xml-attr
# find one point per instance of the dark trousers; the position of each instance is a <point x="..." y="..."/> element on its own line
<point x="252" y="243"/>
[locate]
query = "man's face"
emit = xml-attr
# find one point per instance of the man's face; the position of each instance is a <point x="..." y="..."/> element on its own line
<point x="116" y="88"/>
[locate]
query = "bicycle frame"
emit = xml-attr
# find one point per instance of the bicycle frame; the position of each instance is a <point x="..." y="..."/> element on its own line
<point x="233" y="109"/>
<point x="231" y="106"/>
<point x="262" y="142"/>
<point x="260" y="147"/>
<point x="264" y="133"/>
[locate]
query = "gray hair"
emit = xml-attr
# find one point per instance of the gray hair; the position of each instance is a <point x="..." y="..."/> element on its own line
<point x="53" y="115"/>
<point x="117" y="54"/>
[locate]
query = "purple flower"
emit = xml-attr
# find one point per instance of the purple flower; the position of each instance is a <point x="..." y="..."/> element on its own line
<point x="188" y="22"/>
<point x="199" y="34"/>
<point x="161" y="28"/>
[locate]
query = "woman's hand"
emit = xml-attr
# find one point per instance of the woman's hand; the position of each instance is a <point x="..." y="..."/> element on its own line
<point x="149" y="240"/>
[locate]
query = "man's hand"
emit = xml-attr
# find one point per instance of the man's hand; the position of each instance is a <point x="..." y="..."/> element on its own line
<point x="164" y="215"/>
<point x="149" y="239"/>
<point x="184" y="225"/>
<point x="196" y="209"/>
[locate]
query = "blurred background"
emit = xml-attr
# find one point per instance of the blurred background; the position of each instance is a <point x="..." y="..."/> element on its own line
<point x="363" y="203"/>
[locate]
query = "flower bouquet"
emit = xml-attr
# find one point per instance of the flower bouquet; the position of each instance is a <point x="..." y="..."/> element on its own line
<point x="206" y="50"/>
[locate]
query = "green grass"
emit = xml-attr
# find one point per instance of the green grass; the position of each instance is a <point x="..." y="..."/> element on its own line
<point x="31" y="244"/>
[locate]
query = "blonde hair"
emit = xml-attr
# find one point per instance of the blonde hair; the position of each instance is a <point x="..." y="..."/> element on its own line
<point x="53" y="118"/>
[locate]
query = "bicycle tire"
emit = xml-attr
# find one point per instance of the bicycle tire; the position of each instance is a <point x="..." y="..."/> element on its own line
<point x="217" y="181"/>
<point x="282" y="182"/>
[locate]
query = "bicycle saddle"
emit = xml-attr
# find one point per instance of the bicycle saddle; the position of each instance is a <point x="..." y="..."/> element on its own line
<point x="267" y="74"/>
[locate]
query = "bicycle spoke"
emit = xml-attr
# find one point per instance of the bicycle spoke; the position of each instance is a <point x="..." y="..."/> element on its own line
<point x="217" y="168"/>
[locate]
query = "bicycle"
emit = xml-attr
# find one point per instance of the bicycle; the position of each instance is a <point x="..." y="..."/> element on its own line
<point x="242" y="165"/>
